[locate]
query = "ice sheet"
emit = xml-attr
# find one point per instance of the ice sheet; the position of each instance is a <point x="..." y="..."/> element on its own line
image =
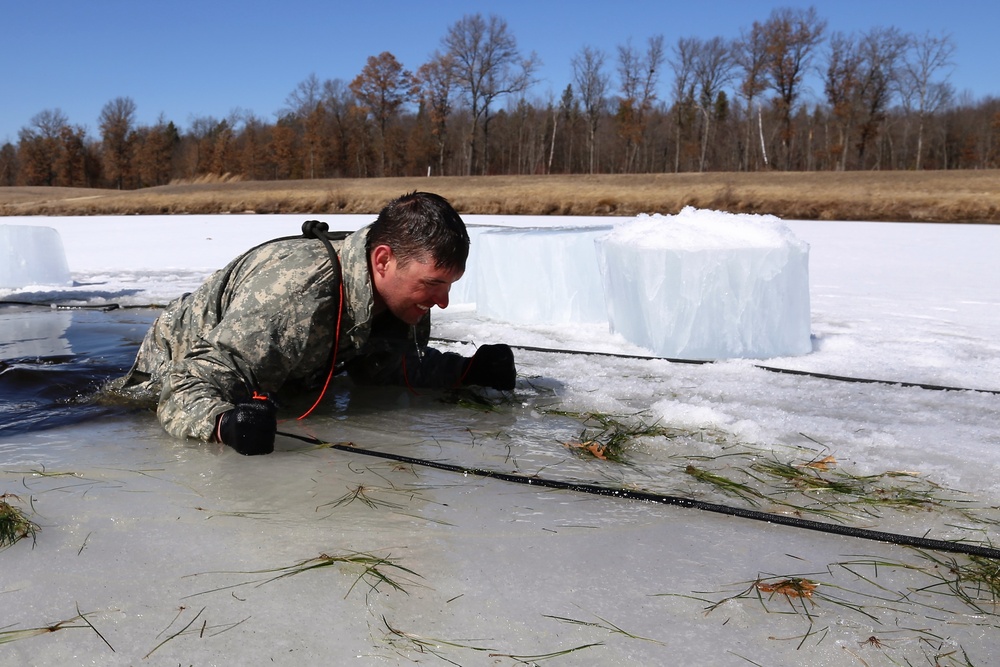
<point x="158" y="541"/>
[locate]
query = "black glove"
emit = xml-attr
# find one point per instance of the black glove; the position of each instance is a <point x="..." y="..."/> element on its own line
<point x="249" y="428"/>
<point x="491" y="366"/>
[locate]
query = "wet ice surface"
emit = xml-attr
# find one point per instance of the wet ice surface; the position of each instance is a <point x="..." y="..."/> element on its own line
<point x="174" y="549"/>
<point x="163" y="543"/>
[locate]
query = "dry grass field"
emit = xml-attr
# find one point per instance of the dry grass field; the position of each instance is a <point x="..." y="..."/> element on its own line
<point x="929" y="196"/>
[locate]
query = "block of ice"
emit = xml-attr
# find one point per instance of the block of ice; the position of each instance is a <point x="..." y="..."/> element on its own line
<point x="31" y="255"/>
<point x="544" y="275"/>
<point x="708" y="285"/>
<point x="464" y="290"/>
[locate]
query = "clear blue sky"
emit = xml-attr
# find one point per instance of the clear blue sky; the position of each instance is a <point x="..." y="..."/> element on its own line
<point x="196" y="58"/>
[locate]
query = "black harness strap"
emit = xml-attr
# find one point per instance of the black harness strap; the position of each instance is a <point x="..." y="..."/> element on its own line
<point x="311" y="229"/>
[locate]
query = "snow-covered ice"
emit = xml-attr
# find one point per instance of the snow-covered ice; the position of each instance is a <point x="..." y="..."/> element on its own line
<point x="171" y="548"/>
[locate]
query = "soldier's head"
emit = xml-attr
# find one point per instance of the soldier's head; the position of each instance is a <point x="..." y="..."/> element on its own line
<point x="416" y="249"/>
<point x="422" y="226"/>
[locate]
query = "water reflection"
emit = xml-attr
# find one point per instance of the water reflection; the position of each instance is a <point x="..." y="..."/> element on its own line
<point x="51" y="362"/>
<point x="24" y="333"/>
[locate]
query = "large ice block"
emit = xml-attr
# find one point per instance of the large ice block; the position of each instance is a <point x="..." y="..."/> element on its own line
<point x="544" y="275"/>
<point x="708" y="285"/>
<point x="31" y="255"/>
<point x="463" y="292"/>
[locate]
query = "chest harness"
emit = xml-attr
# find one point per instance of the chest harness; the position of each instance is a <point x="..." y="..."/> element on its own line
<point x="311" y="229"/>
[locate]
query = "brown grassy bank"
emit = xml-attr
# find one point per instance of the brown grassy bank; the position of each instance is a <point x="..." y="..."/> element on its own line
<point x="932" y="196"/>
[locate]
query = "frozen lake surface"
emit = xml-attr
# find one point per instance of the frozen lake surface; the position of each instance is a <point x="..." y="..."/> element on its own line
<point x="174" y="551"/>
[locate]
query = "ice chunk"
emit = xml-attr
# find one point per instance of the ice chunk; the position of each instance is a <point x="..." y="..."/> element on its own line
<point x="464" y="290"/>
<point x="708" y="285"/>
<point x="31" y="255"/>
<point x="540" y="275"/>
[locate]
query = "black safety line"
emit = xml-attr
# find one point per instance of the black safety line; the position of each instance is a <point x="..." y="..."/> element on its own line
<point x="613" y="355"/>
<point x="646" y="496"/>
<point x="58" y="306"/>
<point x="772" y="369"/>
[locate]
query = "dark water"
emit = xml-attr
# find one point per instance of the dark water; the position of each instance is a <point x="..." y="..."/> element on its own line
<point x="53" y="361"/>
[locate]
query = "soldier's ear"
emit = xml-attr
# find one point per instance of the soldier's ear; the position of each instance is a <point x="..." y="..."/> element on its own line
<point x="381" y="257"/>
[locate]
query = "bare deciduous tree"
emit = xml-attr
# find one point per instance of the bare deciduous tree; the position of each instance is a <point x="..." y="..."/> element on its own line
<point x="639" y="75"/>
<point x="39" y="145"/>
<point x="713" y="70"/>
<point x="751" y="56"/>
<point x="303" y="99"/>
<point x="382" y="88"/>
<point x="881" y="50"/>
<point x="862" y="76"/>
<point x="486" y="64"/>
<point x="683" y="65"/>
<point x="928" y="57"/>
<point x="592" y="82"/>
<point x="339" y="103"/>
<point x="71" y="164"/>
<point x="791" y="36"/>
<point x="435" y="83"/>
<point x="841" y="84"/>
<point x="116" y="122"/>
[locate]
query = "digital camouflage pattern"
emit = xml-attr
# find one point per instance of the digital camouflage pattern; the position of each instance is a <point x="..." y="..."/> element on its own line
<point x="268" y="321"/>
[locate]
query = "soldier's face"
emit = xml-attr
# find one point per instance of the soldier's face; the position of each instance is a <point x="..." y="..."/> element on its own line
<point x="410" y="290"/>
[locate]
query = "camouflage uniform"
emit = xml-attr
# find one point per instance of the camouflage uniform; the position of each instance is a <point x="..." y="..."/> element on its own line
<point x="267" y="321"/>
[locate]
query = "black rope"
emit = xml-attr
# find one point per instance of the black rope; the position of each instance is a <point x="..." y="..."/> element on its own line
<point x="772" y="369"/>
<point x="59" y="306"/>
<point x="646" y="496"/>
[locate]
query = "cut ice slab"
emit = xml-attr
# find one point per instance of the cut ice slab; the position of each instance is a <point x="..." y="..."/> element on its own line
<point x="31" y="255"/>
<point x="708" y="285"/>
<point x="463" y="291"/>
<point x="540" y="275"/>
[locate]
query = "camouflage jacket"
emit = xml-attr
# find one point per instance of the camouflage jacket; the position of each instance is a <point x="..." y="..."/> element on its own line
<point x="267" y="322"/>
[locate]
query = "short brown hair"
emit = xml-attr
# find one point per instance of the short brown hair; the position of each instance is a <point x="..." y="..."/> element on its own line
<point x="421" y="223"/>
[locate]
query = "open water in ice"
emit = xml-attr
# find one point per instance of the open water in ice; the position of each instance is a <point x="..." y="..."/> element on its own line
<point x="52" y="360"/>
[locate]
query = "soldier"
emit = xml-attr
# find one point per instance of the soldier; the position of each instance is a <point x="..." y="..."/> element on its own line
<point x="293" y="312"/>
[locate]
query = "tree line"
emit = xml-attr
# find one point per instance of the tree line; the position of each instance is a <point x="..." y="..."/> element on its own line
<point x="696" y="105"/>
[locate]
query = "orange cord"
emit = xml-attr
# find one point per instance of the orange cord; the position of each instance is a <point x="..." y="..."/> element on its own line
<point x="333" y="362"/>
<point x="406" y="379"/>
<point x="333" y="365"/>
<point x="468" y="367"/>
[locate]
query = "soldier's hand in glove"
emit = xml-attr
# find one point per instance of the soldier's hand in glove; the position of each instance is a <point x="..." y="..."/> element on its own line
<point x="249" y="427"/>
<point x="491" y="366"/>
